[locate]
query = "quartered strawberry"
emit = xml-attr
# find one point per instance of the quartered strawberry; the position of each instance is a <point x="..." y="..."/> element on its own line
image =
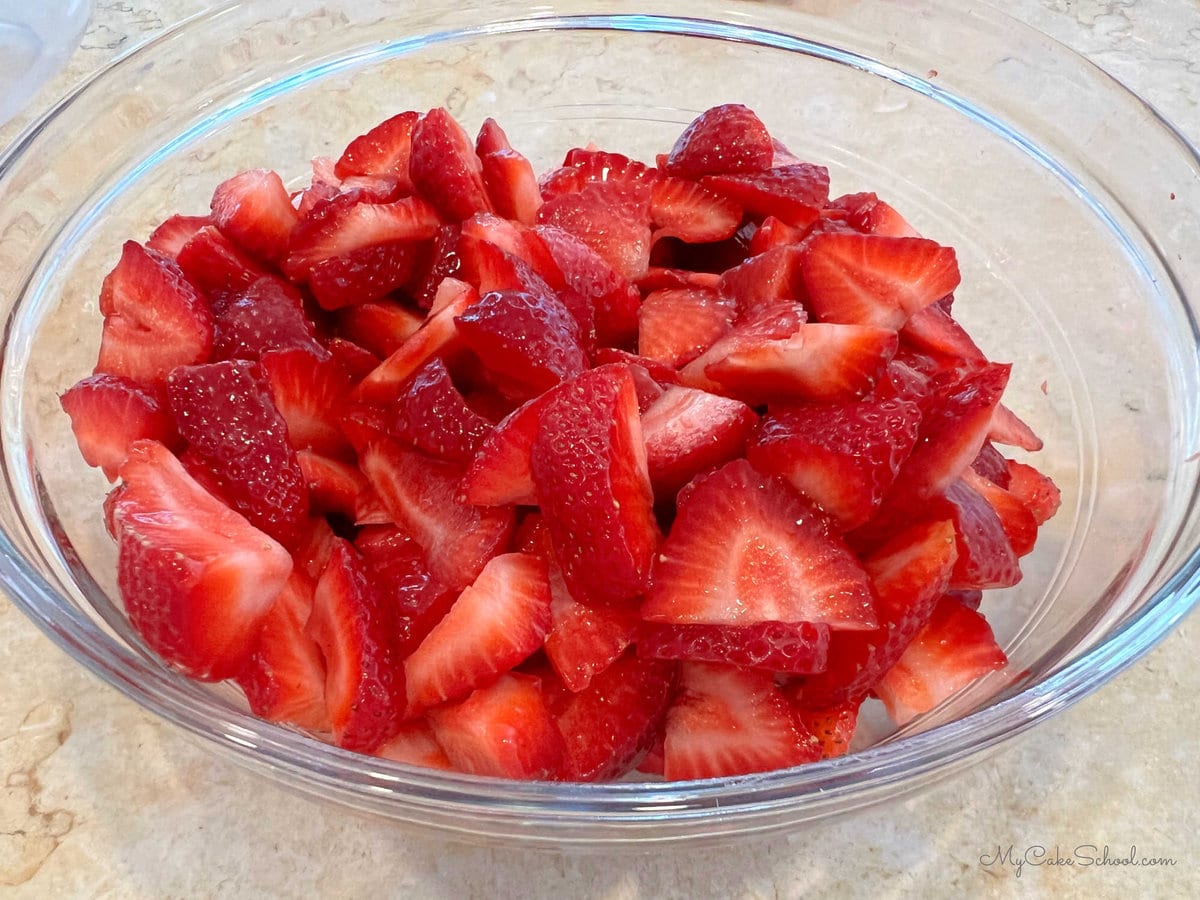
<point x="688" y="432"/>
<point x="380" y="326"/>
<point x="108" y="413"/>
<point x="253" y="209"/>
<point x="954" y="648"/>
<point x="154" y="318"/>
<point x="610" y="723"/>
<point x="284" y="679"/>
<point x="677" y="325"/>
<point x="415" y="745"/>
<point x="796" y="648"/>
<point x="308" y="391"/>
<point x="495" y="623"/>
<point x="445" y="168"/>
<point x="682" y="209"/>
<point x="1039" y="494"/>
<point x="991" y="464"/>
<point x="843" y="457"/>
<point x="589" y="471"/>
<point x="169" y="237"/>
<point x="503" y="730"/>
<point x="772" y="233"/>
<point x="225" y="413"/>
<point x="312" y="553"/>
<point x="443" y="263"/>
<point x="934" y="331"/>
<point x="775" y="323"/>
<point x="267" y="315"/>
<point x="215" y="265"/>
<point x="356" y="361"/>
<point x="833" y="727"/>
<point x="432" y="415"/>
<point x="986" y="558"/>
<point x="870" y="215"/>
<point x="366" y="273"/>
<point x="872" y="280"/>
<point x="1008" y="428"/>
<point x="1020" y="527"/>
<point x="508" y="177"/>
<point x="745" y="549"/>
<point x="793" y="194"/>
<point x="765" y="280"/>
<point x="583" y="166"/>
<point x="730" y="721"/>
<point x="364" y="684"/>
<point x="727" y="138"/>
<point x="658" y="278"/>
<point x="384" y="150"/>
<point x="197" y="578"/>
<point x="610" y="218"/>
<point x="396" y="565"/>
<point x="501" y="472"/>
<point x="334" y="487"/>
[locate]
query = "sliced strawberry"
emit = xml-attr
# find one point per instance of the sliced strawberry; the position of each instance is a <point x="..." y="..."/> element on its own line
<point x="933" y="330"/>
<point x="312" y="554"/>
<point x="688" y="432"/>
<point x="872" y="280"/>
<point x="503" y="730"/>
<point x="608" y="725"/>
<point x="765" y="281"/>
<point x="445" y="168"/>
<point x="334" y="486"/>
<point x="843" y="457"/>
<point x="729" y="721"/>
<point x="1009" y="429"/>
<point x="364" y="685"/>
<point x="308" y="392"/>
<point x="611" y="219"/>
<point x="284" y="680"/>
<point x="727" y="138"/>
<point x="365" y="273"/>
<point x="833" y="727"/>
<point x="677" y="325"/>
<point x="197" y="578"/>
<point x="954" y="648"/>
<point x="432" y="415"/>
<point x="683" y="209"/>
<point x="225" y="413"/>
<point x="154" y="319"/>
<point x="495" y="623"/>
<point x="415" y="599"/>
<point x="986" y="558"/>
<point x="356" y="361"/>
<point x="265" y="316"/>
<point x="744" y="549"/>
<point x="991" y="464"/>
<point x="796" y="648"/>
<point x="381" y="326"/>
<point x="1020" y="527"/>
<point x="501" y="472"/>
<point x="108" y="413"/>
<point x="589" y="471"/>
<point x="659" y="373"/>
<point x="169" y="237"/>
<point x="793" y="194"/>
<point x="658" y="278"/>
<point x="583" y="166"/>
<point x="778" y="322"/>
<point x="1039" y="494"/>
<point x="444" y="262"/>
<point x="212" y="263"/>
<point x="508" y="176"/>
<point x="415" y="745"/>
<point x="384" y="150"/>
<point x="253" y="209"/>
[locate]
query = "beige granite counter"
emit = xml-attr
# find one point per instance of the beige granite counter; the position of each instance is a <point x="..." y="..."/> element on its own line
<point x="99" y="799"/>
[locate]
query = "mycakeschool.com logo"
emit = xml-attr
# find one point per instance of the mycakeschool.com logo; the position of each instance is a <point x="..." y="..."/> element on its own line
<point x="1081" y="856"/>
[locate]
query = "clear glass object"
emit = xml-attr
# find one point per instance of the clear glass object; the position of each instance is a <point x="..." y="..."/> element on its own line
<point x="36" y="37"/>
<point x="1074" y="209"/>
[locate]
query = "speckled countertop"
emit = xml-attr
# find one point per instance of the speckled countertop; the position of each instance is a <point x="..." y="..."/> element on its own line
<point x="99" y="799"/>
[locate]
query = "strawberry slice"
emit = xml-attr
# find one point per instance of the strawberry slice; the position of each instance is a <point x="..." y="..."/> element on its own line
<point x="503" y="730"/>
<point x="1018" y="522"/>
<point x="772" y="233"/>
<point x="169" y="237"/>
<point x="444" y="262"/>
<point x="501" y="472"/>
<point x="726" y="138"/>
<point x="379" y="326"/>
<point x="991" y="464"/>
<point x="365" y="273"/>
<point x="683" y="209"/>
<point x="284" y="679"/>
<point x="793" y="194"/>
<point x="658" y="278"/>
<point x="764" y="281"/>
<point x="415" y="745"/>
<point x="253" y="209"/>
<point x="432" y="415"/>
<point x="445" y="168"/>
<point x="611" y="218"/>
<point x="334" y="487"/>
<point x="729" y="721"/>
<point x="266" y="316"/>
<point x="1009" y="429"/>
<point x="870" y="215"/>
<point x="589" y="471"/>
<point x="108" y="413"/>
<point x="745" y="549"/>
<point x="872" y="280"/>
<point x="154" y="319"/>
<point x="843" y="457"/>
<point x="797" y="648"/>
<point x="495" y="623"/>
<point x="677" y="325"/>
<point x="586" y="165"/>
<point x="213" y="264"/>
<point x="986" y="558"/>
<point x="416" y="600"/>
<point x="1039" y="494"/>
<point x="954" y="648"/>
<point x="197" y="578"/>
<point x="384" y="150"/>
<point x="508" y="177"/>
<point x="688" y="432"/>
<point x="225" y="413"/>
<point x="833" y="727"/>
<point x="364" y="685"/>
<point x="608" y="725"/>
<point x="308" y="390"/>
<point x="312" y="554"/>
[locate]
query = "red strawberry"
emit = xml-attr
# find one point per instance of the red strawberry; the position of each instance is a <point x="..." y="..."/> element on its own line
<point x="415" y="745"/>
<point x="444" y="262"/>
<point x="334" y="487"/>
<point x="384" y="150"/>
<point x="833" y="727"/>
<point x="677" y="325"/>
<point x="415" y="599"/>
<point x="772" y="233"/>
<point x="1018" y="522"/>
<point x="986" y="558"/>
<point x="744" y="549"/>
<point x="954" y="648"/>
<point x="197" y="578"/>
<point x="611" y="218"/>
<point x="495" y="623"/>
<point x="1008" y="428"/>
<point x="508" y="177"/>
<point x="356" y="361"/>
<point x="687" y="432"/>
<point x="610" y="723"/>
<point x="764" y="281"/>
<point x="659" y="373"/>
<point x="381" y="326"/>
<point x="253" y="209"/>
<point x="843" y="457"/>
<point x="728" y="138"/>
<point x="501" y="472"/>
<point x="503" y="730"/>
<point x="284" y="680"/>
<point x="589" y="470"/>
<point x="871" y="280"/>
<point x="316" y="546"/>
<point x="225" y="413"/>
<point x="154" y="319"/>
<point x="433" y="416"/>
<point x="992" y="465"/>
<point x="584" y="166"/>
<point x="169" y="237"/>
<point x="108" y="413"/>
<point x="777" y="322"/>
<point x="308" y="391"/>
<point x="364" y="685"/>
<point x="445" y="169"/>
<point x="366" y="273"/>
<point x="658" y="278"/>
<point x="1039" y="494"/>
<point x="933" y="330"/>
<point x="683" y="209"/>
<point x="267" y="315"/>
<point x="793" y="647"/>
<point x="871" y="215"/>
<point x="729" y="721"/>
<point x="212" y="263"/>
<point x="793" y="194"/>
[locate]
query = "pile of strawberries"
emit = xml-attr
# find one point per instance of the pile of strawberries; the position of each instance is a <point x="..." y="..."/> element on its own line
<point x="661" y="467"/>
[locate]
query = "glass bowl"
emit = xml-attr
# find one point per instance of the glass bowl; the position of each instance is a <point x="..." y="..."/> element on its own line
<point x="1074" y="209"/>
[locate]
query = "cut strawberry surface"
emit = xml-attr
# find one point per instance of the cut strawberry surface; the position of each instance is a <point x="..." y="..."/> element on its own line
<point x="772" y="233"/>
<point x="445" y="168"/>
<point x="380" y="326"/>
<point x="169" y="237"/>
<point x="212" y="263"/>
<point x="797" y="648"/>
<point x="611" y="219"/>
<point x="793" y="194"/>
<point x="677" y="325"/>
<point x="833" y="727"/>
<point x="384" y="150"/>
<point x="396" y="565"/>
<point x="1009" y="429"/>
<point x="365" y="273"/>
<point x="334" y="487"/>
<point x="197" y="578"/>
<point x="501" y="472"/>
<point x="511" y="184"/>
<point x="432" y="415"/>
<point x="688" y="432"/>
<point x="730" y="721"/>
<point x="254" y="211"/>
<point x="986" y="558"/>
<point x="109" y="413"/>
<point x="728" y="138"/>
<point x="683" y="209"/>
<point x="744" y="550"/>
<point x="765" y="280"/>
<point x="1039" y="494"/>
<point x="1020" y="527"/>
<point x="268" y="315"/>
<point x="933" y="330"/>
<point x="415" y="745"/>
<point x="307" y="390"/>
